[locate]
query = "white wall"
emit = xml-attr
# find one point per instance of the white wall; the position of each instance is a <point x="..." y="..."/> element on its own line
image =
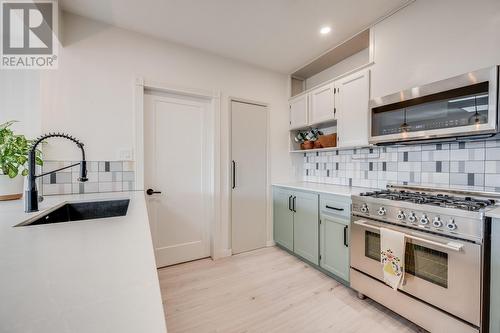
<point x="93" y="87"/>
<point x="91" y="95"/>
<point x="20" y="100"/>
<point x="431" y="40"/>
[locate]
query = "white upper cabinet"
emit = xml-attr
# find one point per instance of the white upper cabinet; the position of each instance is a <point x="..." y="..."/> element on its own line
<point x="299" y="112"/>
<point x="352" y="98"/>
<point x="322" y="104"/>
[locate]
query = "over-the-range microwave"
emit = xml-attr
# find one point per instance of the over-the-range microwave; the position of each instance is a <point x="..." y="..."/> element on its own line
<point x="458" y="107"/>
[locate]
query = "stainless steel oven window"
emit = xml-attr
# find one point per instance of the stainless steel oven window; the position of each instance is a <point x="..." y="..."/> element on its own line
<point x="420" y="261"/>
<point x="427" y="264"/>
<point x="372" y="245"/>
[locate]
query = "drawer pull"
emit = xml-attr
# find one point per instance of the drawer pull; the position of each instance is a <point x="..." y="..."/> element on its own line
<point x="334" y="208"/>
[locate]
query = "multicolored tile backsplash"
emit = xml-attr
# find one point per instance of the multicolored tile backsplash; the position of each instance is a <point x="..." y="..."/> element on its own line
<point x="104" y="176"/>
<point x="461" y="165"/>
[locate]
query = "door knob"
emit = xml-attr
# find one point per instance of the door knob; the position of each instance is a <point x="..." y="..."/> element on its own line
<point x="150" y="191"/>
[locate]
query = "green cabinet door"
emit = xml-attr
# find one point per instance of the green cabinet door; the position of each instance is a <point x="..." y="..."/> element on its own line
<point x="306" y="226"/>
<point x="283" y="217"/>
<point x="334" y="246"/>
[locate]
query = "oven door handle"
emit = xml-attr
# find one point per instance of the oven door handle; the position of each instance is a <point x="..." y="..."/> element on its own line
<point x="362" y="223"/>
<point x="449" y="246"/>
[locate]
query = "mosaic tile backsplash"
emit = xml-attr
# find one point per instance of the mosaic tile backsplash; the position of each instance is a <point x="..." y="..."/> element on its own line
<point x="104" y="176"/>
<point x="462" y="165"/>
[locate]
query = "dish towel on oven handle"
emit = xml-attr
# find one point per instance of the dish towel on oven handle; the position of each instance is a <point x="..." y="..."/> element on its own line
<point x="392" y="256"/>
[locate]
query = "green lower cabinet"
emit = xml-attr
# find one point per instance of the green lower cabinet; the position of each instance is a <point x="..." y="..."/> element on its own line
<point x="283" y="218"/>
<point x="334" y="246"/>
<point x="297" y="228"/>
<point x="306" y="226"/>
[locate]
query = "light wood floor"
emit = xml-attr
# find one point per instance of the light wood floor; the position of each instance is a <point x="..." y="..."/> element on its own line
<point x="267" y="290"/>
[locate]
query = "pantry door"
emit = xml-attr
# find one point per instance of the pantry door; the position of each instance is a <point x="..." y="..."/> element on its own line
<point x="178" y="150"/>
<point x="249" y="176"/>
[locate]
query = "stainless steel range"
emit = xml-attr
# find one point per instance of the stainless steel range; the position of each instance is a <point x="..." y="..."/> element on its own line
<point x="446" y="236"/>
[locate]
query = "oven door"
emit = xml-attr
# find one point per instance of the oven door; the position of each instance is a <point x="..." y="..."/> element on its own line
<point x="441" y="271"/>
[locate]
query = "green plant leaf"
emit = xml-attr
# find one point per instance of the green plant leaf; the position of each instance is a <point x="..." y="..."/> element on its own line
<point x="14" y="150"/>
<point x="12" y="173"/>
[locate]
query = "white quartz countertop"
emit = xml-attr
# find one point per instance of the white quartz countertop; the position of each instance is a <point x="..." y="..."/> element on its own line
<point x="84" y="276"/>
<point x="324" y="188"/>
<point x="494" y="213"/>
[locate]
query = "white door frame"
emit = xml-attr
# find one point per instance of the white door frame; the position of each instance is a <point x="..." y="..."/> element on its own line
<point x="213" y="97"/>
<point x="269" y="225"/>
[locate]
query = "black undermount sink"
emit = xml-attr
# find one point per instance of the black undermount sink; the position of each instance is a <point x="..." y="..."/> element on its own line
<point x="80" y="211"/>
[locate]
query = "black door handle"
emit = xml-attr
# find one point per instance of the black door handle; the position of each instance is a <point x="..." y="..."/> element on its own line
<point x="294" y="201"/>
<point x="234" y="174"/>
<point x="345" y="237"/>
<point x="150" y="191"/>
<point x="334" y="208"/>
<point x="290" y="202"/>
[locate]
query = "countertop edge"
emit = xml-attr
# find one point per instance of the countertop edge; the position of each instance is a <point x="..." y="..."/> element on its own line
<point x="340" y="190"/>
<point x="494" y="213"/>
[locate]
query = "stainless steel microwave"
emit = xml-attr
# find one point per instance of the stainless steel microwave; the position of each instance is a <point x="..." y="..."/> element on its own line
<point x="464" y="105"/>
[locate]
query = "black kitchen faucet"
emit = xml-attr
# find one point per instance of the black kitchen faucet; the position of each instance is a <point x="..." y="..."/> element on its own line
<point x="31" y="195"/>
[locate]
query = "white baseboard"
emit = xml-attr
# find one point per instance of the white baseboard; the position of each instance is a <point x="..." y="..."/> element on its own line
<point x="270" y="243"/>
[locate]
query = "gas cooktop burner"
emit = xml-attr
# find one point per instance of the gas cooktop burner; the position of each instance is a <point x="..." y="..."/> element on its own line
<point x="441" y="200"/>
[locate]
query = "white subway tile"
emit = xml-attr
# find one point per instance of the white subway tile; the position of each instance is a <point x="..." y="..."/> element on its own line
<point x="51" y="189"/>
<point x="493" y="154"/>
<point x="492" y="180"/>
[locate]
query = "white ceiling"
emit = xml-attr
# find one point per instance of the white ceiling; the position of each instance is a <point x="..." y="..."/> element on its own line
<point x="280" y="35"/>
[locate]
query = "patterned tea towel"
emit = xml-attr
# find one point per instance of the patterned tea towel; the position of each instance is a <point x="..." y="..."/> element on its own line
<point x="392" y="256"/>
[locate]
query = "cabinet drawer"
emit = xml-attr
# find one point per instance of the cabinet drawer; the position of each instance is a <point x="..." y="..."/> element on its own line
<point x="336" y="206"/>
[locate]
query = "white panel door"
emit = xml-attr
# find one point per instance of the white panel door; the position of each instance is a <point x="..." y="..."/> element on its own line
<point x="352" y="97"/>
<point x="249" y="176"/>
<point x="177" y="165"/>
<point x="322" y="104"/>
<point x="298" y="112"/>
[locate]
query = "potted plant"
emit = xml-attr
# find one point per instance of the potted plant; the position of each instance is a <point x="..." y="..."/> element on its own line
<point x="14" y="150"/>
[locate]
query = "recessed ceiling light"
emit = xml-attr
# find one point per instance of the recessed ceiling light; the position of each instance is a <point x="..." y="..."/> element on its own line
<point x="325" y="30"/>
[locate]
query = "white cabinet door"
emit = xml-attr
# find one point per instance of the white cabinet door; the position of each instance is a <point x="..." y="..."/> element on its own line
<point x="322" y="104"/>
<point x="249" y="175"/>
<point x="352" y="109"/>
<point x="298" y="112"/>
